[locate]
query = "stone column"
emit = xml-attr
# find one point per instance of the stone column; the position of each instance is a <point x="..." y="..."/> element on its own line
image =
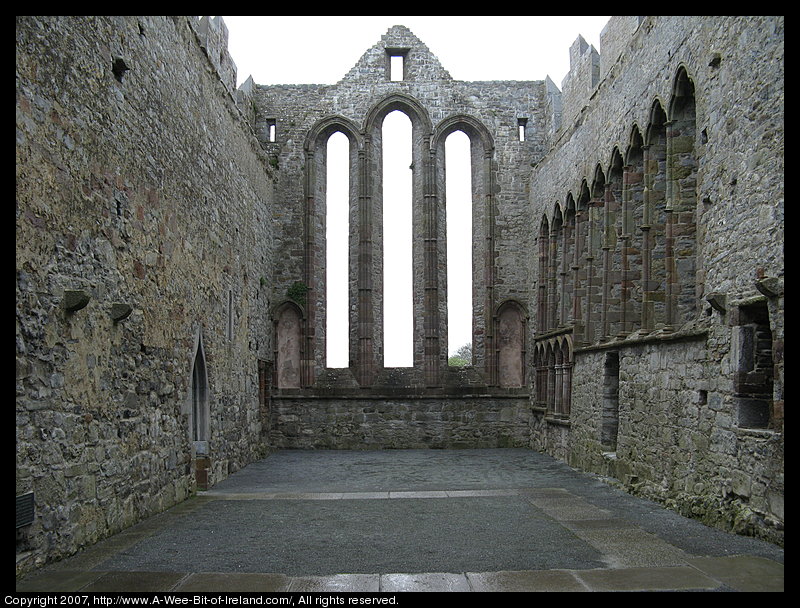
<point x="606" y="248"/>
<point x="432" y="354"/>
<point x="365" y="356"/>
<point x="490" y="363"/>
<point x="672" y="286"/>
<point x="648" y="307"/>
<point x="624" y="329"/>
<point x="577" y="320"/>
<point x="308" y="329"/>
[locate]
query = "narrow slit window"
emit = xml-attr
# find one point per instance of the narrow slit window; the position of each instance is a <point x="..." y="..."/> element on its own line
<point x="396" y="68"/>
<point x="521" y="124"/>
<point x="271" y="131"/>
<point x="229" y="329"/>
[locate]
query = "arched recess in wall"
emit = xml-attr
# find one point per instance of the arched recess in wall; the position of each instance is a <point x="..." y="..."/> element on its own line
<point x="542" y="302"/>
<point x="555" y="258"/>
<point x="632" y="220"/>
<point x="198" y="402"/>
<point x="568" y="255"/>
<point x="611" y="320"/>
<point x="426" y="345"/>
<point x="579" y="275"/>
<point x="288" y="341"/>
<point x="481" y="212"/>
<point x="594" y="241"/>
<point x="512" y="327"/>
<point x="330" y="257"/>
<point x="681" y="201"/>
<point x="654" y="276"/>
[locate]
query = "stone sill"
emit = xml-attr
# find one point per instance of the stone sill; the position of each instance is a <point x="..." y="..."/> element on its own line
<point x="758" y="433"/>
<point x="637" y="338"/>
<point x="557" y="421"/>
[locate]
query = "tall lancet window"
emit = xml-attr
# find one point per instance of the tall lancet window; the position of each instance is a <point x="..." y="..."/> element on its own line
<point x="337" y="247"/>
<point x="398" y="319"/>
<point x="459" y="241"/>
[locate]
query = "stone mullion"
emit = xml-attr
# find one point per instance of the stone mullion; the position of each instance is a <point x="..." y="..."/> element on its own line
<point x="577" y="319"/>
<point x="625" y="263"/>
<point x="432" y="355"/>
<point x="366" y="326"/>
<point x="606" y="249"/>
<point x="671" y="273"/>
<point x="566" y="383"/>
<point x="309" y="274"/>
<point x="551" y="382"/>
<point x="490" y="363"/>
<point x="669" y="241"/>
<point x="558" y="387"/>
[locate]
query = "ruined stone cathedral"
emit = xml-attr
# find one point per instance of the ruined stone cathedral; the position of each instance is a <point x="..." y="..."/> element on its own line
<point x="171" y="318"/>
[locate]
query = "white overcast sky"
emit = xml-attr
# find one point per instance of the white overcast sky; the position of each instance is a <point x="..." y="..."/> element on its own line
<point x="321" y="50"/>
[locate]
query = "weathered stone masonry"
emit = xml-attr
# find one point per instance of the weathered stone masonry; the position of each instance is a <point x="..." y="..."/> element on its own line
<point x="171" y="318"/>
<point x="660" y="214"/>
<point x="141" y="189"/>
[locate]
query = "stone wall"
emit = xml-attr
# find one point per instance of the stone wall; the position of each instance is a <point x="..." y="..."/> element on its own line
<point x="381" y="421"/>
<point x="142" y="221"/>
<point x="682" y="376"/>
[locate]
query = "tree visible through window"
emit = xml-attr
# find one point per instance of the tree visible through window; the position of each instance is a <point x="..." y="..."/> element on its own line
<point x="458" y="173"/>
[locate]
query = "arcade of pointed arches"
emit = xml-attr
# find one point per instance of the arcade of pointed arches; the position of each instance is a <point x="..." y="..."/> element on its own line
<point x="618" y="255"/>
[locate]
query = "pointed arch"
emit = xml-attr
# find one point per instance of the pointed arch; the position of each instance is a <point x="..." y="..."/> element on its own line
<point x="632" y="220"/>
<point x="579" y="278"/>
<point x="554" y="271"/>
<point x="315" y="275"/>
<point x="481" y="146"/>
<point x="654" y="271"/>
<point x="682" y="168"/>
<point x="543" y="241"/>
<point x="398" y="101"/>
<point x="511" y="321"/>
<point x="427" y="348"/>
<point x="610" y="322"/>
<point x="568" y="257"/>
<point x="288" y="334"/>
<point x="199" y="408"/>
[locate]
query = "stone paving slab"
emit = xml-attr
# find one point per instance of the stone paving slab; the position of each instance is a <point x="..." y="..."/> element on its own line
<point x="222" y="582"/>
<point x="647" y="579"/>
<point x="543" y="580"/>
<point x="424" y="582"/>
<point x="743" y="572"/>
<point x="338" y="583"/>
